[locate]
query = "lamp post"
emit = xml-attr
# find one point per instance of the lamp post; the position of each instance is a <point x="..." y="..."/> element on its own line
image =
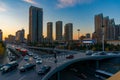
<point x="78" y="33"/>
<point x="103" y="38"/>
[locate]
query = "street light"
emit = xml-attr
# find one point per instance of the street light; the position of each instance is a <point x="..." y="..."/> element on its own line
<point x="78" y="33"/>
<point x="103" y="38"/>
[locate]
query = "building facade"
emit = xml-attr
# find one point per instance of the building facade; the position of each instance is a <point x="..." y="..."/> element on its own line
<point x="20" y="36"/>
<point x="58" y="30"/>
<point x="117" y="32"/>
<point x="1" y="35"/>
<point x="68" y="34"/>
<point x="111" y="30"/>
<point x="50" y="31"/>
<point x="35" y="24"/>
<point x="98" y="20"/>
<point x="10" y="39"/>
<point x="88" y="35"/>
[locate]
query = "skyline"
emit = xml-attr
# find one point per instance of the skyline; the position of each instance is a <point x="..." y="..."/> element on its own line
<point x="79" y="12"/>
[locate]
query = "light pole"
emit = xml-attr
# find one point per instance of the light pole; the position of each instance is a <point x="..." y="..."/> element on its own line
<point x="103" y="38"/>
<point x="78" y="33"/>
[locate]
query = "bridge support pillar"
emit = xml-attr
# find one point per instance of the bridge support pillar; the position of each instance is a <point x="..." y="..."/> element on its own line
<point x="97" y="64"/>
<point x="58" y="75"/>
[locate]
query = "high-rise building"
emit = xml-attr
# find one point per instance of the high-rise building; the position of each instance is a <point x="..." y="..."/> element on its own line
<point x="111" y="30"/>
<point x="88" y="35"/>
<point x="68" y="35"/>
<point x="20" y="35"/>
<point x="106" y="27"/>
<point x="35" y="24"/>
<point x="10" y="39"/>
<point x="59" y="30"/>
<point x="50" y="31"/>
<point x="98" y="19"/>
<point x="117" y="32"/>
<point x="1" y="35"/>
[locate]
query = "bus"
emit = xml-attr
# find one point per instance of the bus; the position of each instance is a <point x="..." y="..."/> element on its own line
<point x="102" y="74"/>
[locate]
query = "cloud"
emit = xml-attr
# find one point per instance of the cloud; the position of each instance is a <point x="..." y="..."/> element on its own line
<point x="70" y="3"/>
<point x="3" y="7"/>
<point x="30" y="1"/>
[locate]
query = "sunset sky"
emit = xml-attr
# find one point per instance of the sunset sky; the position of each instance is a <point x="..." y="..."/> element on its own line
<point x="14" y="14"/>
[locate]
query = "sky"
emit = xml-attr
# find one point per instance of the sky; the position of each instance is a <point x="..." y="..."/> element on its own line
<point x="14" y="14"/>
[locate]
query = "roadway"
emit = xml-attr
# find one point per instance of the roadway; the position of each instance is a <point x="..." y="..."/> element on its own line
<point x="32" y="75"/>
<point x="47" y="60"/>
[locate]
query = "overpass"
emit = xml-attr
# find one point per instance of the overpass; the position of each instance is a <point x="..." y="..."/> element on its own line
<point x="78" y="57"/>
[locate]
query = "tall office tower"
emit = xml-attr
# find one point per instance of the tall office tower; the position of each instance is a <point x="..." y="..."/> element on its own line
<point x="35" y="24"/>
<point x="1" y="35"/>
<point x="59" y="30"/>
<point x="20" y="35"/>
<point x="98" y="20"/>
<point x="117" y="32"/>
<point x="106" y="27"/>
<point x="111" y="30"/>
<point x="50" y="31"/>
<point x="68" y="32"/>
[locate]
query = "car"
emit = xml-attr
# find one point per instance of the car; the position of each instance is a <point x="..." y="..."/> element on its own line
<point x="89" y="52"/>
<point x="26" y="58"/>
<point x="44" y="69"/>
<point x="12" y="58"/>
<point x="111" y="54"/>
<point x="27" y="67"/>
<point x="35" y="56"/>
<point x="70" y="57"/>
<point x="9" y="67"/>
<point x="38" y="61"/>
<point x="1" y="67"/>
<point x="30" y="53"/>
<point x="98" y="54"/>
<point x="95" y="54"/>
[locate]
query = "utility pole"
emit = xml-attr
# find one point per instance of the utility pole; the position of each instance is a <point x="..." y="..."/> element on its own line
<point x="103" y="38"/>
<point x="78" y="33"/>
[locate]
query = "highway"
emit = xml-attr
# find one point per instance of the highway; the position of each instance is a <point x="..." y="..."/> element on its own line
<point x="32" y="74"/>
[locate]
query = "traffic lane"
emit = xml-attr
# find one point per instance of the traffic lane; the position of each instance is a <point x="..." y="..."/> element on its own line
<point x="16" y="75"/>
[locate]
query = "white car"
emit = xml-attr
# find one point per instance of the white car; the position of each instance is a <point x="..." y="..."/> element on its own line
<point x="111" y="54"/>
<point x="38" y="61"/>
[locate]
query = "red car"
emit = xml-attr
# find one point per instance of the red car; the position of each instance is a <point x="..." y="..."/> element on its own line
<point x="70" y="57"/>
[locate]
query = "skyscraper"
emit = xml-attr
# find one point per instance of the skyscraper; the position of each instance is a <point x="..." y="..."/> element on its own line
<point x="111" y="30"/>
<point x="117" y="32"/>
<point x="59" y="30"/>
<point x="106" y="27"/>
<point x="68" y="35"/>
<point x="20" y="35"/>
<point x="1" y="35"/>
<point x="50" y="31"/>
<point x="35" y="24"/>
<point x="98" y="26"/>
